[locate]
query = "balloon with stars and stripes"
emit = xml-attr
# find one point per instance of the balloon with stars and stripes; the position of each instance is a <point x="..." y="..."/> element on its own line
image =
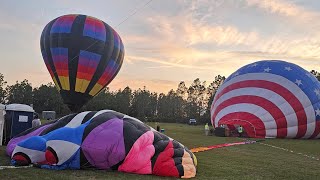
<point x="269" y="98"/>
<point x="82" y="54"/>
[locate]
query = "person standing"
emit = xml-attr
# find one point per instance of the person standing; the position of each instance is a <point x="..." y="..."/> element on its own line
<point x="36" y="121"/>
<point x="240" y="130"/>
<point x="157" y="126"/>
<point x="206" y="129"/>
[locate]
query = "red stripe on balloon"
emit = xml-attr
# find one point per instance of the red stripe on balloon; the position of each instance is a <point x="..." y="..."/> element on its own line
<point x="102" y="80"/>
<point x="275" y="112"/>
<point x="247" y="120"/>
<point x="317" y="130"/>
<point x="85" y="76"/>
<point x="286" y="94"/>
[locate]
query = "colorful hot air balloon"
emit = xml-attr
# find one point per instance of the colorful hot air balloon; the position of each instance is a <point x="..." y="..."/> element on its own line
<point x="82" y="54"/>
<point x="270" y="99"/>
<point x="103" y="140"/>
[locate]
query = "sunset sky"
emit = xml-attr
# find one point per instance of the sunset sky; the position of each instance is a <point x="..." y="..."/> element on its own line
<point x="168" y="41"/>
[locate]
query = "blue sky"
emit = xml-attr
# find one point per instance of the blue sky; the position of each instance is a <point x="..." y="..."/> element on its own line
<point x="169" y="41"/>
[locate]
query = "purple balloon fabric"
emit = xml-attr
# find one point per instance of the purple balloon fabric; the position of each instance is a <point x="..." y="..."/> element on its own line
<point x="105" y="140"/>
<point x="14" y="141"/>
<point x="95" y="150"/>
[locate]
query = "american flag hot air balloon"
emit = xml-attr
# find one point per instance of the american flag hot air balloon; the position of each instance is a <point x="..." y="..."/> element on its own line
<point x="270" y="99"/>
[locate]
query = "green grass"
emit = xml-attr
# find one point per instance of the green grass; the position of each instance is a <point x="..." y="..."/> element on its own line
<point x="254" y="161"/>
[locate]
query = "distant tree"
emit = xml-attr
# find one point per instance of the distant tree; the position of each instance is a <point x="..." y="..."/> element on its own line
<point x="182" y="89"/>
<point x="123" y="100"/>
<point x="211" y="91"/>
<point x="213" y="87"/>
<point x="139" y="102"/>
<point x="2" y="89"/>
<point x="104" y="100"/>
<point x="166" y="107"/>
<point x="47" y="98"/>
<point x="152" y="107"/>
<point x="143" y="104"/>
<point x="316" y="74"/>
<point x="162" y="108"/>
<point x="196" y="101"/>
<point x="19" y="93"/>
<point x="176" y="106"/>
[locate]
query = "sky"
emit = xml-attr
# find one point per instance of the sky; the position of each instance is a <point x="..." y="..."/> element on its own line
<point x="168" y="41"/>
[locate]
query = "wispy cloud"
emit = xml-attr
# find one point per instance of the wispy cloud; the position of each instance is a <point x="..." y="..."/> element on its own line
<point x="299" y="16"/>
<point x="183" y="37"/>
<point x="199" y="38"/>
<point x="153" y="85"/>
<point x="284" y="7"/>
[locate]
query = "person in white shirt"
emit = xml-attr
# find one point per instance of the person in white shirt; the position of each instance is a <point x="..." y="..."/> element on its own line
<point x="36" y="121"/>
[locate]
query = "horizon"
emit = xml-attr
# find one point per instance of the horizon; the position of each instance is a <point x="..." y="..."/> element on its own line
<point x="170" y="41"/>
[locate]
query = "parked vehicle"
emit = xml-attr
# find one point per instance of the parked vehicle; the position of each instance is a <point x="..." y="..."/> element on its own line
<point x="48" y="115"/>
<point x="193" y="122"/>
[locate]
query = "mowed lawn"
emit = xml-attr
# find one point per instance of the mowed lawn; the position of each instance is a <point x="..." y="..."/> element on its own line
<point x="252" y="161"/>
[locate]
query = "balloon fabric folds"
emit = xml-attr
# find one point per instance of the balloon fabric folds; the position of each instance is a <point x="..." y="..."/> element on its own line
<point x="82" y="54"/>
<point x="270" y="98"/>
<point x="103" y="140"/>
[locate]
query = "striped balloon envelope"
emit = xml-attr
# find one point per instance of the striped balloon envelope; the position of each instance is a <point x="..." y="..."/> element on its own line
<point x="105" y="140"/>
<point x="275" y="99"/>
<point x="82" y="54"/>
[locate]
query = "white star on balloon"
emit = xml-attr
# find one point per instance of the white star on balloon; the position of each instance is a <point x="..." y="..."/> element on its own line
<point x="287" y="68"/>
<point x="254" y="65"/>
<point x="317" y="112"/>
<point x="298" y="82"/>
<point x="317" y="91"/>
<point x="267" y="69"/>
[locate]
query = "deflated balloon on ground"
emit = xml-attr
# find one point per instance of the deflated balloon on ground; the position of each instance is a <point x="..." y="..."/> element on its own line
<point x="103" y="140"/>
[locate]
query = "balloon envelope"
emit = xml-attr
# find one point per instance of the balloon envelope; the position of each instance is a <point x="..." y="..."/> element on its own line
<point x="269" y="99"/>
<point x="103" y="140"/>
<point x="82" y="54"/>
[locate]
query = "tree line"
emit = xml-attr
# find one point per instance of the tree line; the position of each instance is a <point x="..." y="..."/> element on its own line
<point x="178" y="105"/>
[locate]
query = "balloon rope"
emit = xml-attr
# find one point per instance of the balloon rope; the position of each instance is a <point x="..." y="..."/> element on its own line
<point x="288" y="150"/>
<point x="201" y="149"/>
<point x="14" y="167"/>
<point x="135" y="11"/>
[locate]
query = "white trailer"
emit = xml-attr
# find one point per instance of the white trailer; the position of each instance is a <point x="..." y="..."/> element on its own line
<point x="2" y="112"/>
<point x="49" y="115"/>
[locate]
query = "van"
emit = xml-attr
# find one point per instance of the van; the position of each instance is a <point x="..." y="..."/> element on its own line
<point x="193" y="122"/>
<point x="49" y="115"/>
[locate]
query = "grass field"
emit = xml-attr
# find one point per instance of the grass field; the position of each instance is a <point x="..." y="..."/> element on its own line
<point x="252" y="161"/>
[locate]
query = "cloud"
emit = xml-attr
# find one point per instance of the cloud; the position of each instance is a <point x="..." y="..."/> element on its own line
<point x="153" y="85"/>
<point x="298" y="16"/>
<point x="167" y="50"/>
<point x="220" y="35"/>
<point x="202" y="39"/>
<point x="188" y="41"/>
<point x="186" y="31"/>
<point x="282" y="7"/>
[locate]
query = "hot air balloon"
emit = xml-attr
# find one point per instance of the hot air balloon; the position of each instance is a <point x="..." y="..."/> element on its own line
<point x="103" y="140"/>
<point x="82" y="54"/>
<point x="273" y="98"/>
